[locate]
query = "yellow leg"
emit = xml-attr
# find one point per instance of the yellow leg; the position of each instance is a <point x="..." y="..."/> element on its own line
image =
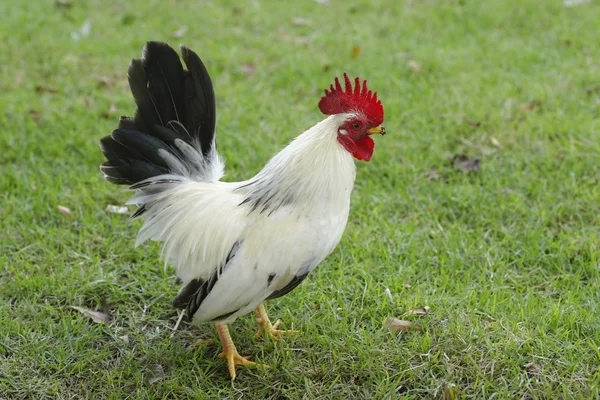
<point x="230" y="352"/>
<point x="266" y="326"/>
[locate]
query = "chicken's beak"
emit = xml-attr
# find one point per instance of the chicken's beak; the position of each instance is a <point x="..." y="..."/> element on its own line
<point x="378" y="130"/>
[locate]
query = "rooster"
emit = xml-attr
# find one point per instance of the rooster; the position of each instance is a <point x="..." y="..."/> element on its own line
<point x="234" y="245"/>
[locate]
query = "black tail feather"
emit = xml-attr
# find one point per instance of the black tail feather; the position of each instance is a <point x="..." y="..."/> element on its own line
<point x="172" y="104"/>
<point x="200" y="110"/>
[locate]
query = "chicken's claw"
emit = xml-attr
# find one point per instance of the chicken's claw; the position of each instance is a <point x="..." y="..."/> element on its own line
<point x="266" y="327"/>
<point x="230" y="352"/>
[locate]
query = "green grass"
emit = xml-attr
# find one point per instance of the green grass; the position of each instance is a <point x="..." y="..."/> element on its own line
<point x="507" y="258"/>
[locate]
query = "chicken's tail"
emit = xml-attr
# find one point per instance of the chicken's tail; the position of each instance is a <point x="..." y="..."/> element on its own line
<point x="171" y="138"/>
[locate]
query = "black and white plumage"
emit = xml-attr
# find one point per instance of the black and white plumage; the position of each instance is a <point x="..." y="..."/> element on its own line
<point x="233" y="245"/>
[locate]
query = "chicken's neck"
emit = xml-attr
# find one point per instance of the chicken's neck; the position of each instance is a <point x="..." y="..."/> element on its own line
<point x="314" y="170"/>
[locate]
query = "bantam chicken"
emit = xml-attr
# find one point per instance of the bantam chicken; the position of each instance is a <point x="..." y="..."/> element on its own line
<point x="234" y="245"/>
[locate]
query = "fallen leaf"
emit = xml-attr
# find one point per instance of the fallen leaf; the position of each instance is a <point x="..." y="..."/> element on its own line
<point x="45" y="89"/>
<point x="64" y="211"/>
<point x="155" y="373"/>
<point x="301" y="21"/>
<point x="533" y="368"/>
<point x="84" y="31"/>
<point x="302" y="40"/>
<point x="388" y="293"/>
<point x="248" y="68"/>
<point x="125" y="339"/>
<point x="451" y="392"/>
<point x="105" y="82"/>
<point x="34" y="114"/>
<point x="574" y="3"/>
<point x="589" y="90"/>
<point x="402" y="55"/>
<point x="530" y="106"/>
<point x="399" y="325"/>
<point x="473" y="123"/>
<point x="111" y="111"/>
<point x="179" y="33"/>
<point x="355" y="51"/>
<point x="419" y="311"/>
<point x="414" y="66"/>
<point x="117" y="209"/>
<point x="96" y="316"/>
<point x="433" y="175"/>
<point x="495" y="142"/>
<point x="466" y="164"/>
<point x="63" y="3"/>
<point x="292" y="39"/>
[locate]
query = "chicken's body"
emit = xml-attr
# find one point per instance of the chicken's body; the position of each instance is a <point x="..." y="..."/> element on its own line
<point x="233" y="244"/>
<point x="255" y="238"/>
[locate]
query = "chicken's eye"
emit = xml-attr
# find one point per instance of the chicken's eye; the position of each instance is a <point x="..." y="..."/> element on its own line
<point x="355" y="125"/>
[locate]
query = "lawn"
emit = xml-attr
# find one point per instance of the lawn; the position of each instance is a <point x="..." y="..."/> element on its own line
<point x="504" y="252"/>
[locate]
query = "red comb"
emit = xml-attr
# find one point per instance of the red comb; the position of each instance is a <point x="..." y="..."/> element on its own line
<point x="338" y="100"/>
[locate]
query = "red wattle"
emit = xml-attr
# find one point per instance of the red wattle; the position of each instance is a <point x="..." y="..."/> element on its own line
<point x="362" y="149"/>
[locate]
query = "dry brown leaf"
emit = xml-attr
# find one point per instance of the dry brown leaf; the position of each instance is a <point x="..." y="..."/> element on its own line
<point x="433" y="175"/>
<point x="589" y="90"/>
<point x="451" y="392"/>
<point x="45" y="89"/>
<point x="63" y="3"/>
<point x="96" y="316"/>
<point x="292" y="39"/>
<point x="301" y="21"/>
<point x="248" y="68"/>
<point x="419" y="311"/>
<point x="155" y="373"/>
<point x="399" y="325"/>
<point x="64" y="211"/>
<point x="111" y="111"/>
<point x="355" y="51"/>
<point x="472" y="122"/>
<point x="533" y="368"/>
<point x="179" y="33"/>
<point x="302" y="40"/>
<point x="104" y="82"/>
<point x="496" y="142"/>
<point x="530" y="106"/>
<point x="34" y="114"/>
<point x="414" y="66"/>
<point x="465" y="164"/>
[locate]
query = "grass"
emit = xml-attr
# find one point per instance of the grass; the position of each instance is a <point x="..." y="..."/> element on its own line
<point x="506" y="257"/>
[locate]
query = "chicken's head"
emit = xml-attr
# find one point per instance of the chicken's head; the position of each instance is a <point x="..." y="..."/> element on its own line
<point x="364" y="115"/>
